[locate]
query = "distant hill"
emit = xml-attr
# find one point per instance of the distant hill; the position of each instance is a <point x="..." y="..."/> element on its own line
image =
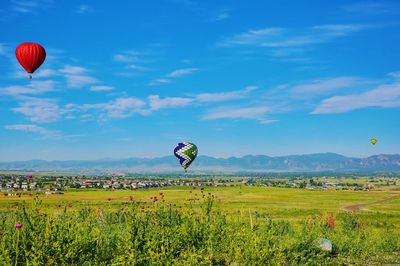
<point x="249" y="163"/>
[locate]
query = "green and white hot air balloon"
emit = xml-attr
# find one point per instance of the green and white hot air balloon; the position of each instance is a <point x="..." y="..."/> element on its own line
<point x="185" y="152"/>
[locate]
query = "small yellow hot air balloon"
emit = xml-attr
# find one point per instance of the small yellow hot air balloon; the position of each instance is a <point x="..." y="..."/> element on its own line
<point x="374" y="141"/>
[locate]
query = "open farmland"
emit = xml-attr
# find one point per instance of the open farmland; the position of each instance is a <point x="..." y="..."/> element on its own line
<point x="278" y="202"/>
<point x="217" y="225"/>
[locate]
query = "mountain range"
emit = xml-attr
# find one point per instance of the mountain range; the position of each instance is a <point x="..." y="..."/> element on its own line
<point x="205" y="164"/>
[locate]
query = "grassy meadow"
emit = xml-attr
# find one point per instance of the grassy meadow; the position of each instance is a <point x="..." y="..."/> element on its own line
<point x="241" y="225"/>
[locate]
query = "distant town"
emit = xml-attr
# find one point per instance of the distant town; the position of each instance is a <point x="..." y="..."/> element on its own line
<point x="14" y="182"/>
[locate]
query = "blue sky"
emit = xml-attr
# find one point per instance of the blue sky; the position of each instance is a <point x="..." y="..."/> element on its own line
<point x="133" y="78"/>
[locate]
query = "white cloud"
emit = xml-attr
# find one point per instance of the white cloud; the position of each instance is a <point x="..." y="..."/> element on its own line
<point x="29" y="6"/>
<point x="369" y="7"/>
<point x="45" y="73"/>
<point x="78" y="81"/>
<point x="181" y="72"/>
<point x="234" y="112"/>
<point x="33" y="88"/>
<point x="48" y="134"/>
<point x="159" y="82"/>
<point x="126" y="57"/>
<point x="83" y="9"/>
<point x="157" y="103"/>
<point x="252" y="37"/>
<point x="395" y="75"/>
<point x="35" y="129"/>
<point x="224" y="96"/>
<point x="324" y="86"/>
<point x="137" y="67"/>
<point x="221" y="16"/>
<point x="284" y="37"/>
<point x="383" y="96"/>
<point x="101" y="88"/>
<point x="72" y="70"/>
<point x="24" y="6"/>
<point x="118" y="108"/>
<point x="39" y="110"/>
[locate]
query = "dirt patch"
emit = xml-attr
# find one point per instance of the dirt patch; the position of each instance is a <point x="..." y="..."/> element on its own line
<point x="357" y="207"/>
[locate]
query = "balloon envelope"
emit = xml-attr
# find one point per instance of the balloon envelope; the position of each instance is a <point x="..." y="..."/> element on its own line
<point x="30" y="55"/>
<point x="185" y="152"/>
<point x="374" y="141"/>
<point x="29" y="176"/>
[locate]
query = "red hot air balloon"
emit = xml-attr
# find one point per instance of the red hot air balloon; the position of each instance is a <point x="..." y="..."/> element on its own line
<point x="30" y="55"/>
<point x="29" y="176"/>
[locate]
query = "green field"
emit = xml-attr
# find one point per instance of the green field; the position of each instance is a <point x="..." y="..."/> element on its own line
<point x="285" y="203"/>
<point x="240" y="225"/>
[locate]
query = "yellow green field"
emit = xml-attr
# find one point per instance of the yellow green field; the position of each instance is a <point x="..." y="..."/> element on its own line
<point x="285" y="203"/>
<point x="242" y="225"/>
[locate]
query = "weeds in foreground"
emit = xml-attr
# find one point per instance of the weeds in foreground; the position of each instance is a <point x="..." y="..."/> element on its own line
<point x="199" y="233"/>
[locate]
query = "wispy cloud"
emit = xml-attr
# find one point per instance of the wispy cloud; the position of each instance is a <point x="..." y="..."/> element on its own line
<point x="47" y="134"/>
<point x="134" y="62"/>
<point x="39" y="110"/>
<point x="224" y="96"/>
<point x="157" y="103"/>
<point x="101" y="88"/>
<point x="275" y="37"/>
<point x="29" y="6"/>
<point x="221" y="16"/>
<point x="83" y="9"/>
<point x="369" y="7"/>
<point x="173" y="75"/>
<point x="137" y="67"/>
<point x="324" y="86"/>
<point x="118" y="108"/>
<point x="75" y="76"/>
<point x="79" y="81"/>
<point x="45" y="73"/>
<point x="127" y="57"/>
<point x="181" y="72"/>
<point x="235" y="112"/>
<point x="161" y="81"/>
<point x="72" y="70"/>
<point x="33" y="88"/>
<point x="383" y="96"/>
<point x="24" y="6"/>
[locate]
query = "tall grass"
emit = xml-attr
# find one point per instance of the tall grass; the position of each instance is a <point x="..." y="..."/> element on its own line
<point x="200" y="233"/>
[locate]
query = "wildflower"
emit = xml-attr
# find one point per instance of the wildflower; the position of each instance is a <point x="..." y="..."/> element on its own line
<point x="109" y="199"/>
<point x="193" y="187"/>
<point x="331" y="221"/>
<point x="131" y="197"/>
<point x="18" y="226"/>
<point x="202" y="189"/>
<point x="161" y="194"/>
